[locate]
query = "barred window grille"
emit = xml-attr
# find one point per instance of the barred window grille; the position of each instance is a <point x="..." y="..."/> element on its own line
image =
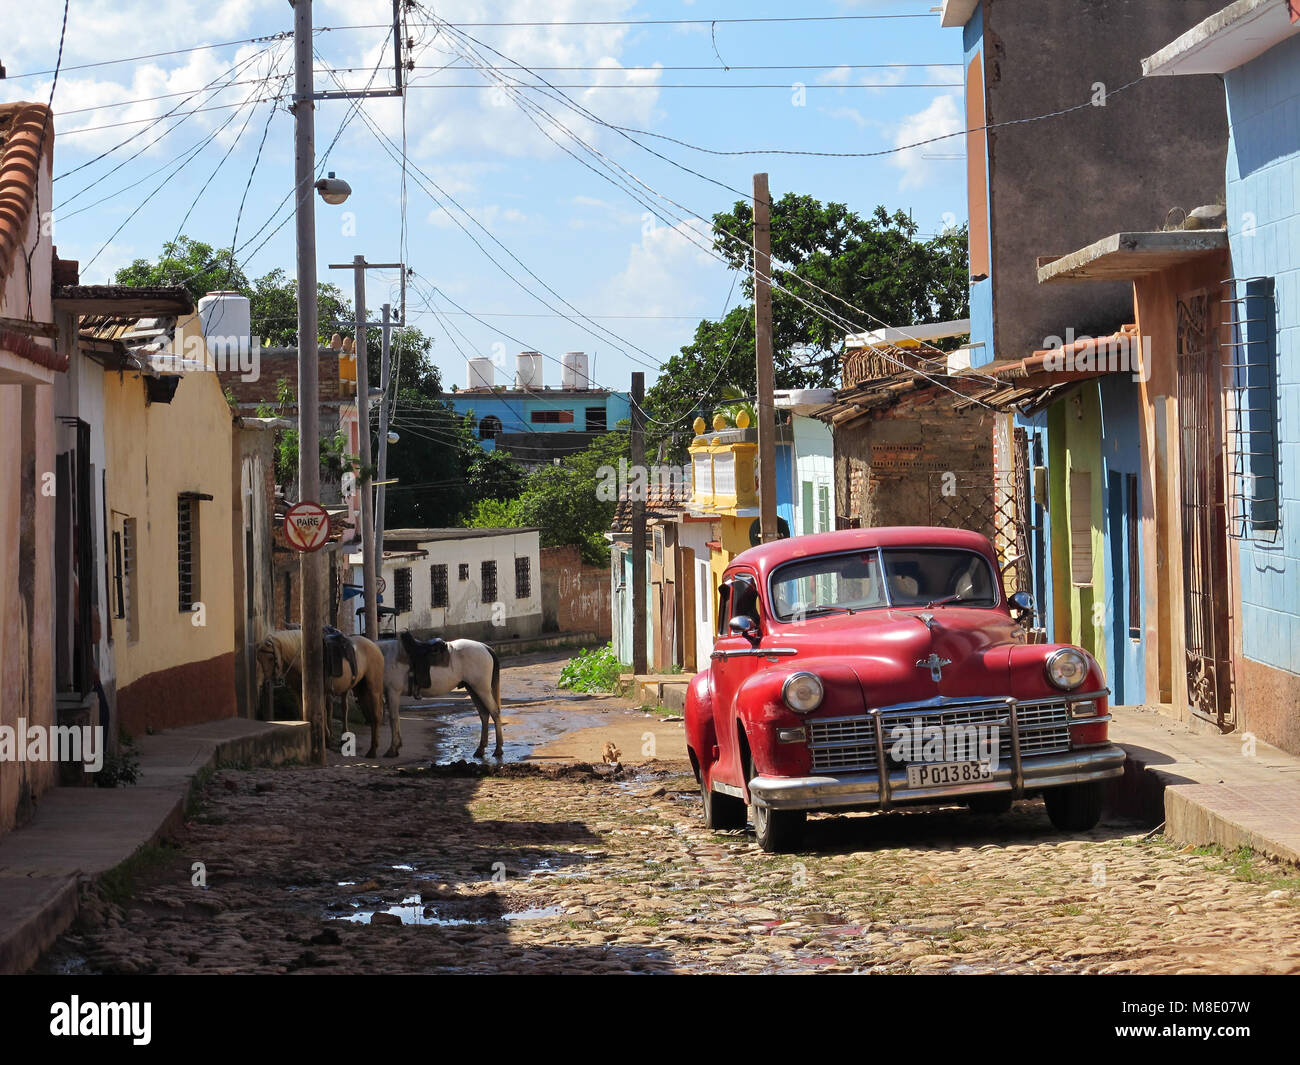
<point x="464" y="571"/>
<point x="402" y="590"/>
<point x="523" y="578"/>
<point x="187" y="552"/>
<point x="1252" y="410"/>
<point x="438" y="586"/>
<point x="488" y="581"/>
<point x="124" y="578"/>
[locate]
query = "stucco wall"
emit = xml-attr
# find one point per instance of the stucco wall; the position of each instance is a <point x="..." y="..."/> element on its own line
<point x="506" y="617"/>
<point x="575" y="596"/>
<point x="155" y="452"/>
<point x="1059" y="184"/>
<point x="1264" y="229"/>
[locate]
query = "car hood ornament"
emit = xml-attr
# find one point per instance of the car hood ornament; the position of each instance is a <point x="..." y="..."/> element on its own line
<point x="935" y="665"/>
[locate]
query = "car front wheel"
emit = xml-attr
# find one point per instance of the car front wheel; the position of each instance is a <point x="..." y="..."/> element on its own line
<point x="778" y="831"/>
<point x="1076" y="807"/>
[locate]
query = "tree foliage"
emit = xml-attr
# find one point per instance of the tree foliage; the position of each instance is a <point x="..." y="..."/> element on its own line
<point x="874" y="270"/>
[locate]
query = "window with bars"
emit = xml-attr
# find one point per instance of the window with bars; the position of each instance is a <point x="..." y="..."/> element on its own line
<point x="402" y="590"/>
<point x="124" y="577"/>
<point x="1252" y="410"/>
<point x="488" y="581"/>
<point x="551" y="417"/>
<point x="438" y="586"/>
<point x="187" y="552"/>
<point x="523" y="578"/>
<point x="464" y="571"/>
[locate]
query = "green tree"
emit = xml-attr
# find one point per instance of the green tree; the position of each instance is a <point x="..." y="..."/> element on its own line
<point x="876" y="270"/>
<point x="273" y="300"/>
<point x="191" y="263"/>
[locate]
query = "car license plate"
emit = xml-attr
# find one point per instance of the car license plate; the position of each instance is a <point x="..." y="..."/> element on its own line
<point x="926" y="775"/>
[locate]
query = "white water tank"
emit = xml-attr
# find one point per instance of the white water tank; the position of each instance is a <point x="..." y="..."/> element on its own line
<point x="528" y="370"/>
<point x="480" y="373"/>
<point x="226" y="319"/>
<point x="574" y="371"/>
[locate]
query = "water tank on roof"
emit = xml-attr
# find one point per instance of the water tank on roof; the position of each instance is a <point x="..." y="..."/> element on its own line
<point x="528" y="370"/>
<point x="226" y="318"/>
<point x="574" y="371"/>
<point x="480" y="373"/>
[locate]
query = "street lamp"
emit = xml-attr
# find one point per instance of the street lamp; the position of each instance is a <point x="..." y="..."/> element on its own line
<point x="333" y="190"/>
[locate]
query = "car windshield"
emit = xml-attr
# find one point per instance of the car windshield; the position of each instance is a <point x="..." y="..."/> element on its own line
<point x="845" y="583"/>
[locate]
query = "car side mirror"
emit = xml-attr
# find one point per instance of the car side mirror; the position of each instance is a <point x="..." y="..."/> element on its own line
<point x="743" y="625"/>
<point x="1022" y="602"/>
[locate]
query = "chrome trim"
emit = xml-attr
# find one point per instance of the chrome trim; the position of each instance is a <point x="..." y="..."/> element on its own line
<point x="1017" y="766"/>
<point x="864" y="789"/>
<point x="882" y="764"/>
<point x="755" y="652"/>
<point x="727" y="789"/>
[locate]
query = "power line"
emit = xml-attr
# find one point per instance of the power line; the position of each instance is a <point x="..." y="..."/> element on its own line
<point x="689" y="21"/>
<point x="153" y="55"/>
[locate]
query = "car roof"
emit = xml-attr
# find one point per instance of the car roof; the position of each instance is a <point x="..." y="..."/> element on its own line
<point x="767" y="557"/>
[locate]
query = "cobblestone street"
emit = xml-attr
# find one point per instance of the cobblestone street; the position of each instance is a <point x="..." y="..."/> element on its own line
<point x="570" y="868"/>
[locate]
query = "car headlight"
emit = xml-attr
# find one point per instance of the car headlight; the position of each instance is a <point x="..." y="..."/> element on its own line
<point x="1067" y="668"/>
<point x="802" y="692"/>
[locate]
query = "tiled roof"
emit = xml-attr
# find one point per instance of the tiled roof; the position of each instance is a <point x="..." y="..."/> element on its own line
<point x="665" y="498"/>
<point x="22" y="126"/>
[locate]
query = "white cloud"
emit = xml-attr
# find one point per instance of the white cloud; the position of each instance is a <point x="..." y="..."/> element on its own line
<point x="668" y="272"/>
<point x="940" y="118"/>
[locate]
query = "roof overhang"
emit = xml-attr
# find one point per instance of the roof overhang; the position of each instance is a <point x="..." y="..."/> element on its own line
<point x="1128" y="256"/>
<point x="956" y="13"/>
<point x="1227" y="39"/>
<point x="124" y="301"/>
<point x="908" y="335"/>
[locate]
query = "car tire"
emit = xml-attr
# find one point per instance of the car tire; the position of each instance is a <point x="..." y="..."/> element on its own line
<point x="777" y="831"/>
<point x="721" y="812"/>
<point x="1076" y="807"/>
<point x="997" y="803"/>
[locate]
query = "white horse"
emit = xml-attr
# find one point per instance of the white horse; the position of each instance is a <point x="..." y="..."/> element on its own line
<point x="435" y="667"/>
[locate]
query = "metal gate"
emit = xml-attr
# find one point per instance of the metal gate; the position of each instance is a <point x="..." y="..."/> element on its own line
<point x="993" y="503"/>
<point x="1205" y="551"/>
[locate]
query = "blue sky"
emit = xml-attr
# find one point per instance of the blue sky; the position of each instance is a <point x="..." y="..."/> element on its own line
<point x="581" y="235"/>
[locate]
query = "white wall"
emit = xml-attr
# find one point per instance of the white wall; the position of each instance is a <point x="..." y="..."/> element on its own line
<point x="466" y="614"/>
<point x="815" y="463"/>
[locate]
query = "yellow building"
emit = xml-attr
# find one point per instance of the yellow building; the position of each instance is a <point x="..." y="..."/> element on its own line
<point x="172" y="590"/>
<point x="724" y="485"/>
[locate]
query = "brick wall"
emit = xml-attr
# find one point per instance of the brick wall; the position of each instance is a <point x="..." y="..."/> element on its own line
<point x="575" y="596"/>
<point x="884" y="462"/>
<point x="273" y="369"/>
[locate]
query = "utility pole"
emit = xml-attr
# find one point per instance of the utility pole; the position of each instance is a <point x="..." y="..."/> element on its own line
<point x="369" y="561"/>
<point x="384" y="405"/>
<point x="309" y="562"/>
<point x="765" y="402"/>
<point x="638" y="526"/>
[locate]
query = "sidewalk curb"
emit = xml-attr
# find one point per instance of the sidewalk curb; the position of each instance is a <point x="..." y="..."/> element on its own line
<point x="37" y="907"/>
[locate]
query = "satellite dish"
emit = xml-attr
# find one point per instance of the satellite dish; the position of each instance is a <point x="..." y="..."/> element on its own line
<point x="756" y="531"/>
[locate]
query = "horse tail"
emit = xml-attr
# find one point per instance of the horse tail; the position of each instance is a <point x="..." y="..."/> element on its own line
<point x="496" y="677"/>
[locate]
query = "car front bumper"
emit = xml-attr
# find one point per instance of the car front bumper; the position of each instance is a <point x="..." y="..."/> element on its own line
<point x="884" y="790"/>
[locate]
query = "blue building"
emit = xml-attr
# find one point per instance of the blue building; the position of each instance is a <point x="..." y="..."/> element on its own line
<point x="533" y="421"/>
<point x="1065" y="446"/>
<point x="1254" y="46"/>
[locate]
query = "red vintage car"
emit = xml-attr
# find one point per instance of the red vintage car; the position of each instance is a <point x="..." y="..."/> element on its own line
<point x="878" y="668"/>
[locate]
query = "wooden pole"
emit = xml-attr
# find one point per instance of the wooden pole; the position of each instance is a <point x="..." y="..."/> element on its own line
<point x="765" y="403"/>
<point x="638" y="527"/>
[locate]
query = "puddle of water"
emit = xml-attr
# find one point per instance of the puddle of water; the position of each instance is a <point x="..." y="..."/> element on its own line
<point x="403" y="868"/>
<point x="413" y="911"/>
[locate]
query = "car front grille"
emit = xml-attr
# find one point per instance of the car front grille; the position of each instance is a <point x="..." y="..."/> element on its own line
<point x="848" y="744"/>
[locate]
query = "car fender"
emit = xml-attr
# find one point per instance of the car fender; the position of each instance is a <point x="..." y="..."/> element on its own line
<point x="701" y="732"/>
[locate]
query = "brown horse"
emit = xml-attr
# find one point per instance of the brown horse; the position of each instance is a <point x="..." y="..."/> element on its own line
<point x="279" y="657"/>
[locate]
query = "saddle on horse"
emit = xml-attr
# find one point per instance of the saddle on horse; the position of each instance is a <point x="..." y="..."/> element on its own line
<point x="424" y="655"/>
<point x="338" y="649"/>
